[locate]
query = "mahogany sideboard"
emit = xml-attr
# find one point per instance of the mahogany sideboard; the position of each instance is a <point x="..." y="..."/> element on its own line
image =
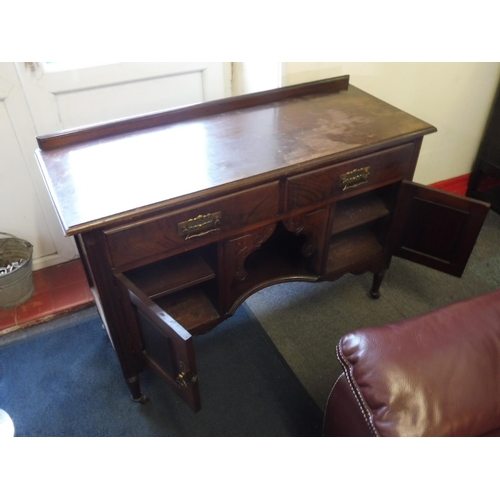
<point x="180" y="215"/>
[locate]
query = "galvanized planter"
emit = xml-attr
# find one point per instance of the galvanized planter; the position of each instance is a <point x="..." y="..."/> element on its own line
<point x="16" y="271"/>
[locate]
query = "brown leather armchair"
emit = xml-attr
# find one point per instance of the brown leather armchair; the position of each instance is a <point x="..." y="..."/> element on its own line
<point x="434" y="375"/>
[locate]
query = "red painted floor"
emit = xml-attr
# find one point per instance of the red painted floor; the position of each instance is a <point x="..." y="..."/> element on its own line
<point x="59" y="290"/>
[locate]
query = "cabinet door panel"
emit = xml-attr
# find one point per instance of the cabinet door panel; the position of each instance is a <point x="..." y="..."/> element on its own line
<point x="166" y="346"/>
<point x="436" y="229"/>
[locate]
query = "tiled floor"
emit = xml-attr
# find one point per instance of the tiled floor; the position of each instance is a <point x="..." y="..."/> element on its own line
<point x="58" y="290"/>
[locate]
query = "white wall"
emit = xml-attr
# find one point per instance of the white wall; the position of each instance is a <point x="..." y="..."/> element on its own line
<point x="248" y="77"/>
<point x="454" y="97"/>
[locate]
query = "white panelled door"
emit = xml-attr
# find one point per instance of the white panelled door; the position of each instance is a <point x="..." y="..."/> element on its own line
<point x="61" y="97"/>
<point x="48" y="97"/>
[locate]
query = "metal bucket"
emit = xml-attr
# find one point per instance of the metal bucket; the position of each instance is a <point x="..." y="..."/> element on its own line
<point x="16" y="271"/>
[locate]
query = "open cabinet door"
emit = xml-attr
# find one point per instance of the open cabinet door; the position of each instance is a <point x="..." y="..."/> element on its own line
<point x="166" y="346"/>
<point x="435" y="228"/>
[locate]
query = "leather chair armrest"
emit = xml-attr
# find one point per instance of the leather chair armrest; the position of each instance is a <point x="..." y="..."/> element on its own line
<point x="434" y="375"/>
<point x="343" y="416"/>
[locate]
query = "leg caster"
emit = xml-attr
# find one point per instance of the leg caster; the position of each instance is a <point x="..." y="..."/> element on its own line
<point x="143" y="399"/>
<point x="135" y="390"/>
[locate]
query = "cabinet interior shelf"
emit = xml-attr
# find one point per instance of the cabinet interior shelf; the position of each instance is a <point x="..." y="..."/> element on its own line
<point x="171" y="275"/>
<point x="190" y="307"/>
<point x="357" y="211"/>
<point x="351" y="248"/>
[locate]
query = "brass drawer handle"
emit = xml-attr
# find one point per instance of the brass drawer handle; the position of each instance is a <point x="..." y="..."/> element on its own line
<point x="199" y="226"/>
<point x="355" y="178"/>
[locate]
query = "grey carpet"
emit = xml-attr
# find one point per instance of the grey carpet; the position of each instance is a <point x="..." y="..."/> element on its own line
<point x="306" y="320"/>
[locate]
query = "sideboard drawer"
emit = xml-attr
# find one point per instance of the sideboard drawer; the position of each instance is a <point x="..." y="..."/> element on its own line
<point x="349" y="177"/>
<point x="163" y="233"/>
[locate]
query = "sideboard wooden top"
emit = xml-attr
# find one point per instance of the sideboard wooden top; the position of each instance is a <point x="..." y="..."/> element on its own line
<point x="114" y="171"/>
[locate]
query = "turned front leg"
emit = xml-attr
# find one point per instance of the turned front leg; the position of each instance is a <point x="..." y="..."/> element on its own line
<point x="377" y="281"/>
<point x="135" y="390"/>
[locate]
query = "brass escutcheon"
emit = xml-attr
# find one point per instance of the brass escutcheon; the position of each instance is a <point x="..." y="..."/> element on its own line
<point x="354" y="178"/>
<point x="182" y="378"/>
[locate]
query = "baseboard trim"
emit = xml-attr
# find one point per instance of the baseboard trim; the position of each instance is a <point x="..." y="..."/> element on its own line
<point x="456" y="185"/>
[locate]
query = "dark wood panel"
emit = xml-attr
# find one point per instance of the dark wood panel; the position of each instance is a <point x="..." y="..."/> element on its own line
<point x="190" y="307"/>
<point x="351" y="250"/>
<point x="272" y="254"/>
<point x="178" y="163"/>
<point x="171" y="349"/>
<point x="171" y="275"/>
<point x="357" y="211"/>
<point x="196" y="111"/>
<point x="435" y="228"/>
<point x="200" y="207"/>
<point x="485" y="176"/>
<point x="367" y="172"/>
<point x="159" y="235"/>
